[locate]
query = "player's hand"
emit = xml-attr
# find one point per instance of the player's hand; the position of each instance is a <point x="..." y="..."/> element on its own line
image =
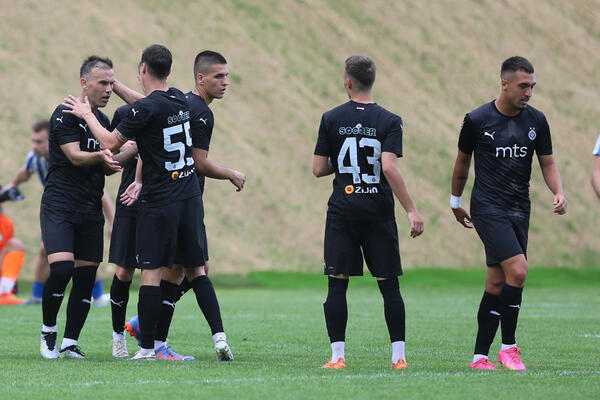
<point x="560" y="204"/>
<point x="77" y="107"/>
<point x="463" y="217"/>
<point x="238" y="179"/>
<point x="416" y="224"/>
<point x="131" y="194"/>
<point x="109" y="161"/>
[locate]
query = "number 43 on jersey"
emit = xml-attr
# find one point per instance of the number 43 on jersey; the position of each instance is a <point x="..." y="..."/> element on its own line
<point x="349" y="147"/>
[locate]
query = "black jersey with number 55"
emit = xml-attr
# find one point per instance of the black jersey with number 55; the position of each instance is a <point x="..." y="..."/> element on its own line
<point x="160" y="123"/>
<point x="353" y="135"/>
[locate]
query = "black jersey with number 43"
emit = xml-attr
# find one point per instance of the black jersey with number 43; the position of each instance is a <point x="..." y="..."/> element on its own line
<point x="353" y="135"/>
<point x="70" y="187"/>
<point x="503" y="148"/>
<point x="201" y="122"/>
<point x="160" y="123"/>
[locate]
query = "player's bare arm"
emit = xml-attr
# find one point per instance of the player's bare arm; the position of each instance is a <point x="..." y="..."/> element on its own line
<point x="208" y="168"/>
<point x="459" y="180"/>
<point x="554" y="183"/>
<point x="82" y="109"/>
<point x="22" y="176"/>
<point x="389" y="165"/>
<point x="127" y="94"/>
<point x="127" y="153"/>
<point x="596" y="176"/>
<point x="322" y="166"/>
<point x="84" y="158"/>
<point x="131" y="194"/>
<point x="109" y="211"/>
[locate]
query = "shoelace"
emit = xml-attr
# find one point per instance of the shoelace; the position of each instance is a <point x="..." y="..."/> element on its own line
<point x="513" y="354"/>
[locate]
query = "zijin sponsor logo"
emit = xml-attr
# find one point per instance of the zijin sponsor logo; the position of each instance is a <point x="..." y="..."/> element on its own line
<point x="357" y="130"/>
<point x="181" y="117"/>
<point x="175" y="175"/>
<point x="361" y="189"/>
<point x="511" y="152"/>
<point x="183" y="174"/>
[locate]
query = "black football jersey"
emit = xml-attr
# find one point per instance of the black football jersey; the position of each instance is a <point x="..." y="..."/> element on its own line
<point x="70" y="187"/>
<point x="201" y="122"/>
<point x="160" y="123"/>
<point x="128" y="173"/>
<point x="353" y="136"/>
<point x="503" y="148"/>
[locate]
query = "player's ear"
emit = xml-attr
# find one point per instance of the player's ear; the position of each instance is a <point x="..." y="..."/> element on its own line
<point x="83" y="82"/>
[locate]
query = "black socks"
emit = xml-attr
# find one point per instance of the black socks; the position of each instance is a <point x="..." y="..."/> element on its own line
<point x="488" y="318"/>
<point x="119" y="297"/>
<point x="80" y="300"/>
<point x="336" y="309"/>
<point x="393" y="305"/>
<point x="510" y="304"/>
<point x="148" y="314"/>
<point x="207" y="300"/>
<point x="169" y="293"/>
<point x="54" y="290"/>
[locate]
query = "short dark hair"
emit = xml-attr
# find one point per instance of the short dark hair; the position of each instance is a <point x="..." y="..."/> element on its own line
<point x="361" y="69"/>
<point x="206" y="58"/>
<point x="514" y="64"/>
<point x="41" y="125"/>
<point x="94" y="62"/>
<point x="158" y="59"/>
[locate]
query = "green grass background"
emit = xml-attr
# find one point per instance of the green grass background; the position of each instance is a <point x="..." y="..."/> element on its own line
<point x="276" y="329"/>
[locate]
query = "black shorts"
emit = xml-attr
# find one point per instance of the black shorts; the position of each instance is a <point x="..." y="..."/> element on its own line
<point x="122" y="242"/>
<point x="170" y="230"/>
<point x="73" y="232"/>
<point x="503" y="237"/>
<point x="179" y="260"/>
<point x="378" y="241"/>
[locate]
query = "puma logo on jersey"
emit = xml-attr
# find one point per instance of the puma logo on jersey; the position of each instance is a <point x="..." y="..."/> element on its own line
<point x="489" y="134"/>
<point x="60" y="119"/>
<point x="84" y="127"/>
<point x="134" y="112"/>
<point x="203" y="120"/>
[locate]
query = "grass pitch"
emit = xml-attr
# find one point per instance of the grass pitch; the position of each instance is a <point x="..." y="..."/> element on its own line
<point x="279" y="339"/>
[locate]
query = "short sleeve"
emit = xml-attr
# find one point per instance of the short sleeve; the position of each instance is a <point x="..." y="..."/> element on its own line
<point x="393" y="140"/>
<point x="596" y="151"/>
<point x="30" y="163"/>
<point x="322" y="148"/>
<point x="67" y="129"/>
<point x="201" y="127"/>
<point x="543" y="144"/>
<point x="468" y="135"/>
<point x="134" y="121"/>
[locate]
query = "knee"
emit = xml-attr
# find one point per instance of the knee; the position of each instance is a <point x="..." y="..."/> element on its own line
<point x="14" y="244"/>
<point x="124" y="274"/>
<point x="517" y="275"/>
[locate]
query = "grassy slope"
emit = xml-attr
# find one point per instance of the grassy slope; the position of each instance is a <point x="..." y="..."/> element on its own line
<point x="436" y="61"/>
<point x="278" y="337"/>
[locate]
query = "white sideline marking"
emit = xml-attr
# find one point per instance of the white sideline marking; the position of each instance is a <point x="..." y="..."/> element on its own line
<point x="590" y="335"/>
<point x="325" y="376"/>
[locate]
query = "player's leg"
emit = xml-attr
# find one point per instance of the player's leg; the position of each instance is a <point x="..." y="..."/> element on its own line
<point x="170" y="293"/>
<point x="58" y="235"/>
<point x="515" y="269"/>
<point x="488" y="318"/>
<point x="343" y="258"/>
<point x="12" y="258"/>
<point x="88" y="249"/>
<point x="148" y="312"/>
<point x="119" y="297"/>
<point x="379" y="241"/>
<point x="122" y="253"/>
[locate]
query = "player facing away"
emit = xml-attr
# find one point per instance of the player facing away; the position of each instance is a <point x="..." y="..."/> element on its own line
<point x="596" y="168"/>
<point x="503" y="135"/>
<point x="360" y="142"/>
<point x="71" y="211"/>
<point x="210" y="72"/>
<point x="170" y="206"/>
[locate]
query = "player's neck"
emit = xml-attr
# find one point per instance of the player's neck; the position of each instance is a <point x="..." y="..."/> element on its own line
<point x="199" y="92"/>
<point x="362" y="97"/>
<point x="150" y="85"/>
<point x="505" y="108"/>
<point x="82" y="99"/>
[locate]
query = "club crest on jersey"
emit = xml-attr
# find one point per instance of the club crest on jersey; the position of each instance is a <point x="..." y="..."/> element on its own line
<point x="531" y="133"/>
<point x="349" y="189"/>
